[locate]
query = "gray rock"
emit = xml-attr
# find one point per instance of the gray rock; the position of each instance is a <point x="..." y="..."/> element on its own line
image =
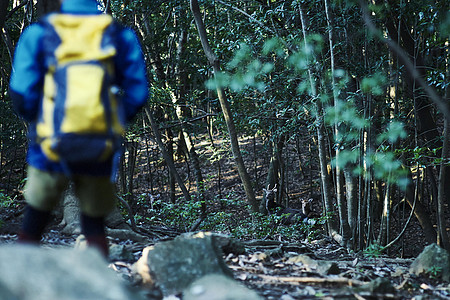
<point x="378" y="286"/>
<point x="34" y="273"/>
<point x="120" y="252"/>
<point x="6" y="293"/>
<point x="226" y="243"/>
<point x="218" y="287"/>
<point x="125" y="234"/>
<point x="174" y="265"/>
<point x="320" y="266"/>
<point x="434" y="261"/>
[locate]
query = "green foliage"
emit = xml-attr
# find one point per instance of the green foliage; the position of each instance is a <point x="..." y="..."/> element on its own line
<point x="183" y="215"/>
<point x="383" y="161"/>
<point x="374" y="84"/>
<point x="434" y="272"/>
<point x="394" y="132"/>
<point x="374" y="250"/>
<point x="423" y="156"/>
<point x="260" y="226"/>
<point x="7" y="201"/>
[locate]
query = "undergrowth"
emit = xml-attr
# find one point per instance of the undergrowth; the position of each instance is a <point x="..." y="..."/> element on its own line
<point x="225" y="215"/>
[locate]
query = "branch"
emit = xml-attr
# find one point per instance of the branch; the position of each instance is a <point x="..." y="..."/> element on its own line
<point x="406" y="224"/>
<point x="403" y="56"/>
<point x="256" y="21"/>
<point x="12" y="11"/>
<point x="210" y="55"/>
<point x="313" y="280"/>
<point x="167" y="157"/>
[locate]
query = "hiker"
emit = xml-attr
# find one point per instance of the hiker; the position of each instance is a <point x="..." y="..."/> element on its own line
<point x="78" y="78"/>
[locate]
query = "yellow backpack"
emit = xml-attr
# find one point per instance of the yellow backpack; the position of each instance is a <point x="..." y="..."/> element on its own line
<point x="81" y="119"/>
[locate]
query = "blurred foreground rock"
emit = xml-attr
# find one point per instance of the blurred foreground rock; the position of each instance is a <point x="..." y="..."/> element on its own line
<point x="218" y="287"/>
<point x="180" y="266"/>
<point x="34" y="273"/>
<point x="433" y="261"/>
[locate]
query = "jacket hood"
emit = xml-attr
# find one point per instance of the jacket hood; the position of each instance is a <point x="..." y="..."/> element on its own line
<point x="80" y="7"/>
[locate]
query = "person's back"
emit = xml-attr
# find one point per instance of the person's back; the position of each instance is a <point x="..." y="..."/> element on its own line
<point x="66" y="86"/>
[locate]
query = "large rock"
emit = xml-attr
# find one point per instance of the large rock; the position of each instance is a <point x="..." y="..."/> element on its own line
<point x="434" y="261"/>
<point x="218" y="287"/>
<point x="320" y="266"/>
<point x="34" y="273"/>
<point x="174" y="265"/>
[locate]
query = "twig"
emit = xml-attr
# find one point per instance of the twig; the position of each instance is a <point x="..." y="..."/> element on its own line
<point x="339" y="280"/>
<point x="256" y="21"/>
<point x="12" y="11"/>
<point x="404" y="227"/>
<point x="167" y="157"/>
<point x="130" y="213"/>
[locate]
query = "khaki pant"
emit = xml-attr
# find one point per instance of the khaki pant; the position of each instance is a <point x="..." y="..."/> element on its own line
<point x="96" y="194"/>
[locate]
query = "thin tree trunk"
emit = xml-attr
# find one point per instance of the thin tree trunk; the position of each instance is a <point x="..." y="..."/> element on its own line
<point x="166" y="156"/>
<point x="181" y="114"/>
<point x="225" y="105"/>
<point x="442" y="226"/>
<point x="443" y="240"/>
<point x="420" y="212"/>
<point x="169" y="147"/>
<point x="273" y="177"/>
<point x="342" y="205"/>
<point x="352" y="203"/>
<point x="410" y="67"/>
<point x="383" y="236"/>
<point x="333" y="230"/>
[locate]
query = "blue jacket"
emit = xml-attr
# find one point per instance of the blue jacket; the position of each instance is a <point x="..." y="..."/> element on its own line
<point x="27" y="78"/>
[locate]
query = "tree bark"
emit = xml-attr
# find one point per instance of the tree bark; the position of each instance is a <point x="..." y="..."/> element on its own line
<point x="225" y="105"/>
<point x="420" y="212"/>
<point x="338" y="144"/>
<point x="273" y="177"/>
<point x="442" y="226"/>
<point x="332" y="223"/>
<point x="167" y="158"/>
<point x="443" y="240"/>
<point x="180" y="109"/>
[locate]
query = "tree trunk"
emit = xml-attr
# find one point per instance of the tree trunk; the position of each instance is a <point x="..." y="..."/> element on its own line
<point x="225" y="105"/>
<point x="414" y="64"/>
<point x="443" y="240"/>
<point x="338" y="145"/>
<point x="180" y="109"/>
<point x="166" y="156"/>
<point x="273" y="176"/>
<point x="442" y="226"/>
<point x="352" y="204"/>
<point x="383" y="237"/>
<point x="420" y="212"/>
<point x="333" y="230"/>
<point x="169" y="147"/>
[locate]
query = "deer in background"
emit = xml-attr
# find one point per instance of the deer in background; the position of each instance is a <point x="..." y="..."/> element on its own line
<point x="289" y="215"/>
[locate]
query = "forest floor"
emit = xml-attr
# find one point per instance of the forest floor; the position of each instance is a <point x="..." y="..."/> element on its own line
<point x="286" y="271"/>
<point x="272" y="264"/>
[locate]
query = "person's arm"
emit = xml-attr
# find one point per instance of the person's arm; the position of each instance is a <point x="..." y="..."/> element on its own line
<point x="131" y="73"/>
<point x="27" y="74"/>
